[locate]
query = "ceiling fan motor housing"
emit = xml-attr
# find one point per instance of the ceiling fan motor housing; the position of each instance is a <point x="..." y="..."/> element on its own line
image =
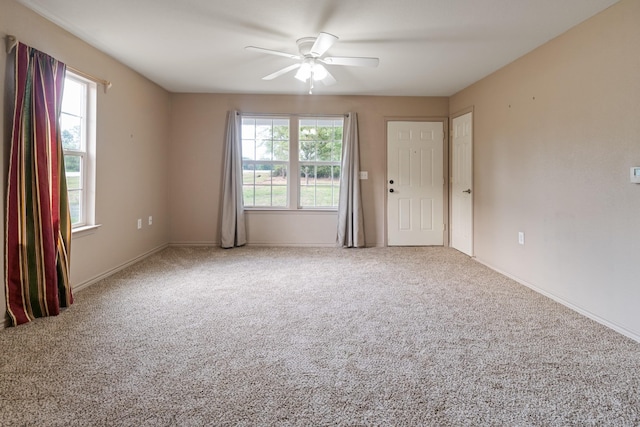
<point x="305" y="44"/>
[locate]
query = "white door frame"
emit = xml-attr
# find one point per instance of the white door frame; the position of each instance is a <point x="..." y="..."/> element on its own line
<point x="460" y="113"/>
<point x="445" y="127"/>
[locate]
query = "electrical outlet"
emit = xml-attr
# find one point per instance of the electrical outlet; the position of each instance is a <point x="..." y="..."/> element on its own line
<point x="150" y="220"/>
<point x="139" y="223"/>
<point x="364" y="175"/>
<point x="521" y="237"/>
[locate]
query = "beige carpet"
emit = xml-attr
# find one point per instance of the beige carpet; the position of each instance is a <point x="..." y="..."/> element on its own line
<point x="316" y="337"/>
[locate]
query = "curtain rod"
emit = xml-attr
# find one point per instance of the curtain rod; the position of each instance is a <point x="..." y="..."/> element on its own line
<point x="105" y="83"/>
<point x="12" y="42"/>
<point x="284" y="115"/>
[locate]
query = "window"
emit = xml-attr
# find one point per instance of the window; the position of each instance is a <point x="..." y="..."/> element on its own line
<point x="77" y="126"/>
<point x="320" y="153"/>
<point x="274" y="149"/>
<point x="265" y="161"/>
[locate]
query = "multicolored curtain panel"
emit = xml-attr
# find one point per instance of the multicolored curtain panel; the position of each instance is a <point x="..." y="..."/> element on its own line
<point x="38" y="226"/>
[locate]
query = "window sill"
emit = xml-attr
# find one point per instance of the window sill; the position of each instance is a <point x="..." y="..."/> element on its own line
<point x="85" y="230"/>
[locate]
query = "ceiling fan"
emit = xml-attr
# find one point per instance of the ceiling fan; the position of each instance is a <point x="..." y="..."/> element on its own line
<point x="311" y="68"/>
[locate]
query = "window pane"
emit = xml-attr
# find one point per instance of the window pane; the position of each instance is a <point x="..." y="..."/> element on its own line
<point x="307" y="196"/>
<point x="324" y="194"/>
<point x="264" y="128"/>
<point x="248" y="128"/>
<point x="307" y="171"/>
<point x="264" y="185"/>
<point x="264" y="149"/>
<point x="73" y="171"/>
<point x="71" y="132"/>
<point x="248" y="149"/>
<point x="279" y="196"/>
<point x="248" y="194"/>
<point x="335" y="173"/>
<point x="336" y="151"/>
<point x="307" y="185"/>
<point x="307" y="150"/>
<point x="262" y="195"/>
<point x="248" y="174"/>
<point x="73" y="96"/>
<point x="281" y="130"/>
<point x="338" y="128"/>
<point x="319" y="186"/>
<point x="324" y="151"/>
<point x="308" y="131"/>
<point x="75" y="206"/>
<point x="281" y="150"/>
<point x="281" y="140"/>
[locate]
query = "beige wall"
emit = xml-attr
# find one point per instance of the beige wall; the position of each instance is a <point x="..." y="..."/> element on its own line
<point x="556" y="133"/>
<point x="132" y="147"/>
<point x="198" y="129"/>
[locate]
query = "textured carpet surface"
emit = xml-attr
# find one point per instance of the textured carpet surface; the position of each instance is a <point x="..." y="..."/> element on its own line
<point x="316" y="337"/>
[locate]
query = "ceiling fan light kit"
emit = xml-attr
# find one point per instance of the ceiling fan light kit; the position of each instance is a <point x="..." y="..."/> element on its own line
<point x="311" y="68"/>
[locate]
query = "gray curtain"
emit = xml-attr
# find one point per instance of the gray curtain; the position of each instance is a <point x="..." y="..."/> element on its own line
<point x="233" y="231"/>
<point x="350" y="220"/>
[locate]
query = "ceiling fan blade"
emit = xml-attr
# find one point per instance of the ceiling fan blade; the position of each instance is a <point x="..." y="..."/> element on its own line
<point x="273" y="52"/>
<point x="323" y="42"/>
<point x="351" y="61"/>
<point x="329" y="80"/>
<point x="278" y="73"/>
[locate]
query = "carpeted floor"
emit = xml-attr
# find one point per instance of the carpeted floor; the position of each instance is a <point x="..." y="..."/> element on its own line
<point x="316" y="337"/>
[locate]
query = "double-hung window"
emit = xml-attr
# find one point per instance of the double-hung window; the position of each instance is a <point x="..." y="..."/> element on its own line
<point x="291" y="162"/>
<point x="77" y="124"/>
<point x="319" y="154"/>
<point x="265" y="161"/>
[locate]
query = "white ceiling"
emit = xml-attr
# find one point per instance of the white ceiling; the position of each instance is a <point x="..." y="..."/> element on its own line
<point x="426" y="47"/>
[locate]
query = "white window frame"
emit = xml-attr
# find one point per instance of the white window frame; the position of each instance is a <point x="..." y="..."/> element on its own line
<point x="317" y="163"/>
<point x="293" y="165"/>
<point x="87" y="153"/>
<point x="274" y="163"/>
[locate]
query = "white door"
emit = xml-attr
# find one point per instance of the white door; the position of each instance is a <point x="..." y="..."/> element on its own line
<point x="462" y="184"/>
<point x="415" y="183"/>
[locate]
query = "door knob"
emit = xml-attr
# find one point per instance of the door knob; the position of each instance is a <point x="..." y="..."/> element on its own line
<point x="468" y="191"/>
<point x="390" y="181"/>
<point x="391" y="190"/>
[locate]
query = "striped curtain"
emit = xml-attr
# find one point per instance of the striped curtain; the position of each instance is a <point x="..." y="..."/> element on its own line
<point x="38" y="226"/>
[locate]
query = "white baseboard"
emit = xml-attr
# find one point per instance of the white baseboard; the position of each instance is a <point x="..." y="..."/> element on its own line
<point x="611" y="325"/>
<point x="196" y="244"/>
<point x="80" y="286"/>
<point x="292" y="245"/>
<point x="257" y="244"/>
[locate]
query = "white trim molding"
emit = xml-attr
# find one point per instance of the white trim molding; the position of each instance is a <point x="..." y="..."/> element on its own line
<point x="620" y="329"/>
